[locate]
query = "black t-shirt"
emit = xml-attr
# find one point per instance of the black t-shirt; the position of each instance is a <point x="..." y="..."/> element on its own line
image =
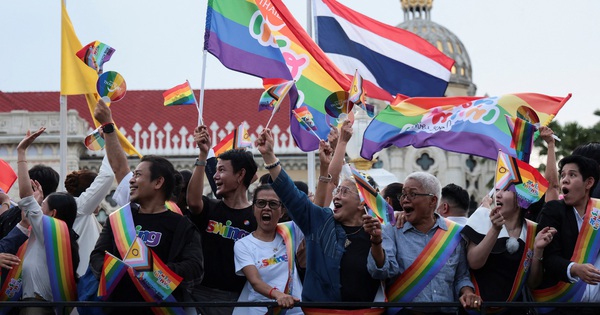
<point x="221" y="226"/>
<point x="357" y="283"/>
<point x="157" y="232"/>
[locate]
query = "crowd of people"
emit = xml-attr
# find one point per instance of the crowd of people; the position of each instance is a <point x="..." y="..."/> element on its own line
<point x="281" y="244"/>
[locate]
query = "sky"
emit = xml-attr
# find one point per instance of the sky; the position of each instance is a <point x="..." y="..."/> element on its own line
<point x="542" y="46"/>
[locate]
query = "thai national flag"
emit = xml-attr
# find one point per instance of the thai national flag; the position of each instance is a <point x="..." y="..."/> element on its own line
<point x="391" y="60"/>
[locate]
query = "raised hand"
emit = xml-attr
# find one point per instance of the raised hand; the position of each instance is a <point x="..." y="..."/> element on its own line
<point x="264" y="142"/>
<point x="202" y="139"/>
<point x="29" y="138"/>
<point x="544" y="237"/>
<point x="102" y="113"/>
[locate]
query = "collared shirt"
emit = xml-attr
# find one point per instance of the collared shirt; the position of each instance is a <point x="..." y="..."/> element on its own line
<point x="403" y="246"/>
<point x="460" y="220"/>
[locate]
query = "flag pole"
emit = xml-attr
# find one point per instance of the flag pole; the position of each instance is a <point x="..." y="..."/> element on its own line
<point x="63" y="142"/>
<point x="310" y="155"/>
<point x="200" y="105"/>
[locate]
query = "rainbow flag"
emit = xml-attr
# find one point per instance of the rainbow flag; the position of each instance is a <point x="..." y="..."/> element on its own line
<point x="95" y="54"/>
<point x="267" y="42"/>
<point x="522" y="133"/>
<point x="242" y="138"/>
<point x="529" y="184"/>
<point x="58" y="257"/>
<point x="470" y="125"/>
<point x="7" y="176"/>
<point x="94" y="140"/>
<point x="160" y="281"/>
<point x="429" y="262"/>
<point x="113" y="270"/>
<point x="275" y="92"/>
<point x="180" y="95"/>
<point x="374" y="201"/>
<point x="226" y="144"/>
<point x="305" y="118"/>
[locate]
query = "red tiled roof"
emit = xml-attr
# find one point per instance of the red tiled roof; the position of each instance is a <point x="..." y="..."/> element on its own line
<point x="146" y="107"/>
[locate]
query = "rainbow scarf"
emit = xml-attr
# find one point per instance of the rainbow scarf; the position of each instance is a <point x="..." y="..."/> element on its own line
<point x="121" y="222"/>
<point x="522" y="272"/>
<point x="426" y="266"/>
<point x="470" y="125"/>
<point x="58" y="257"/>
<point x="586" y="251"/>
<point x="12" y="287"/>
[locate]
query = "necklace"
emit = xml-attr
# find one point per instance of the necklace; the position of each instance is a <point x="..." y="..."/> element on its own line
<point x="348" y="242"/>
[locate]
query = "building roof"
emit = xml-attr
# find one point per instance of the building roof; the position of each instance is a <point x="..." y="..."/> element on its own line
<point x="146" y="107"/>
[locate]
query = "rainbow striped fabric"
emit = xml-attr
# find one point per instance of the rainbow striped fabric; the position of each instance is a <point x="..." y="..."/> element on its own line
<point x="522" y="133"/>
<point x="95" y="54"/>
<point x="470" y="125"/>
<point x="429" y="262"/>
<point x="305" y="118"/>
<point x="225" y="144"/>
<point x="58" y="257"/>
<point x="586" y="251"/>
<point x="275" y="92"/>
<point x="172" y="206"/>
<point x="180" y="95"/>
<point x="94" y="140"/>
<point x="266" y="41"/>
<point x="113" y="270"/>
<point x="374" y="201"/>
<point x="529" y="184"/>
<point x="160" y="281"/>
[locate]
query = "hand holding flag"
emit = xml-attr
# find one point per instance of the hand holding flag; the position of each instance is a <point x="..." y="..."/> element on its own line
<point x="95" y="54"/>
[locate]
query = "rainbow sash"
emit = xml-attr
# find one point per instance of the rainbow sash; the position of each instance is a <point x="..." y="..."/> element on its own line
<point x="121" y="222"/>
<point x="586" y="250"/>
<point x="522" y="272"/>
<point x="286" y="230"/>
<point x="58" y="257"/>
<point x="12" y="287"/>
<point x="427" y="265"/>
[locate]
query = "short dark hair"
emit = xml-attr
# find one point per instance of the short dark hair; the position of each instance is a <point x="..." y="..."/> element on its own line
<point x="589" y="150"/>
<point x="65" y="205"/>
<point x="161" y="167"/>
<point x="457" y="195"/>
<point x="587" y="167"/>
<point x="302" y="186"/>
<point x="392" y="191"/>
<point x="241" y="159"/>
<point x="78" y="181"/>
<point x="46" y="176"/>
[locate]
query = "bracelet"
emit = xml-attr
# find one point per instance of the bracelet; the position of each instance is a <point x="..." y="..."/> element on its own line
<point x="377" y="243"/>
<point x="325" y="179"/>
<point x="539" y="258"/>
<point x="6" y="203"/>
<point x="22" y="161"/>
<point x="200" y="163"/>
<point x="274" y="165"/>
<point x="270" y="292"/>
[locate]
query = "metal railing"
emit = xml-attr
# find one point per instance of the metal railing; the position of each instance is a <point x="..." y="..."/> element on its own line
<point x="63" y="306"/>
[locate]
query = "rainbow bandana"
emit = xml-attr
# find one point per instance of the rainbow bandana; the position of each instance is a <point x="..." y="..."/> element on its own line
<point x="429" y="262"/>
<point x="58" y="257"/>
<point x="586" y="250"/>
<point x="121" y="222"/>
<point x="522" y="272"/>
<point x="12" y="287"/>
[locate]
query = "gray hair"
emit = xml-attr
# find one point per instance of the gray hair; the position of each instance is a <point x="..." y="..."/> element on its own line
<point x="429" y="182"/>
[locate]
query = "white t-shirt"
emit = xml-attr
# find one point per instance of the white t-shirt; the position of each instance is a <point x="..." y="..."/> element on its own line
<point x="270" y="258"/>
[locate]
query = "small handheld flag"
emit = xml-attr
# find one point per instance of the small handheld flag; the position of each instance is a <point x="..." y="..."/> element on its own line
<point x="275" y="92"/>
<point x="94" y="140"/>
<point x="374" y="201"/>
<point x="305" y="119"/>
<point x="181" y="94"/>
<point x="529" y="184"/>
<point x="522" y="133"/>
<point x="7" y="176"/>
<point x="95" y="54"/>
<point x="242" y="137"/>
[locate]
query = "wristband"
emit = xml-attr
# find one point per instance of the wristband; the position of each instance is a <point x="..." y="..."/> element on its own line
<point x="108" y="128"/>
<point x="325" y="179"/>
<point x="274" y="165"/>
<point x="270" y="293"/>
<point x="200" y="163"/>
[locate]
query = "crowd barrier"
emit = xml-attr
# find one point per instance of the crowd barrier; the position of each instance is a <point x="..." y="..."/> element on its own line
<point x="270" y="305"/>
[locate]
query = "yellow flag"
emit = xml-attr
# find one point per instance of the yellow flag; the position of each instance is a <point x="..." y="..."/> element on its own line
<point x="75" y="76"/>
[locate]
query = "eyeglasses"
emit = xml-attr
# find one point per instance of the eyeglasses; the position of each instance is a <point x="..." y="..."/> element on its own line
<point x="273" y="204"/>
<point x="411" y="195"/>
<point x="344" y="190"/>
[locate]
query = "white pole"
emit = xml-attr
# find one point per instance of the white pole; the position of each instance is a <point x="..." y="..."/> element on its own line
<point x="63" y="142"/>
<point x="201" y="98"/>
<point x="310" y="156"/>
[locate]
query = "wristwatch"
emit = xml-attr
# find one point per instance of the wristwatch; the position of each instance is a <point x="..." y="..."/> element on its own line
<point x="199" y="163"/>
<point x="108" y="128"/>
